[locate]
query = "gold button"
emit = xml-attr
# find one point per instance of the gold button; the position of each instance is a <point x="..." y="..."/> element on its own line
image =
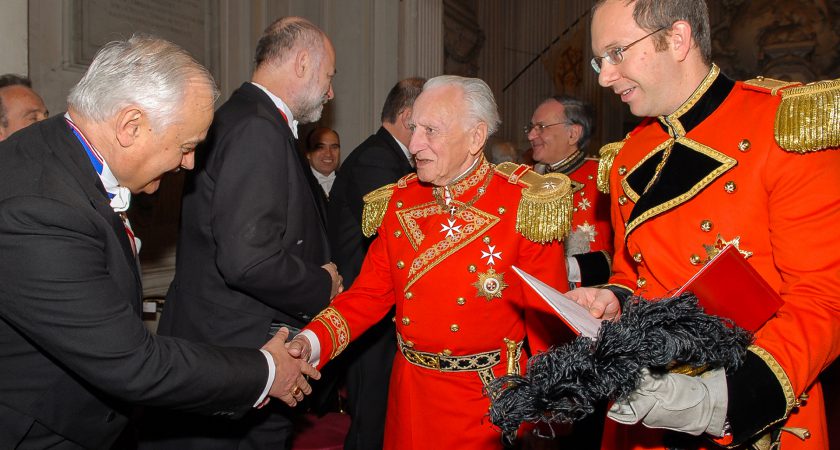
<point x="501" y="210"/>
<point x="400" y="264"/>
<point x="730" y="187"/>
<point x="637" y="257"/>
<point x="408" y="295"/>
<point x="590" y="177"/>
<point x="641" y="282"/>
<point x="486" y="239"/>
<point x="408" y="344"/>
<point x="622" y="200"/>
<point x="397" y="233"/>
<point x="406" y="320"/>
<point x="446" y="352"/>
<point x="622" y="170"/>
<point x="462" y="301"/>
<point x="574" y="209"/>
<point x="454" y="327"/>
<point x="695" y="260"/>
<point x="399" y="204"/>
<point x="744" y="145"/>
<point x="471" y="268"/>
<point x="394" y="319"/>
<point x="706" y="225"/>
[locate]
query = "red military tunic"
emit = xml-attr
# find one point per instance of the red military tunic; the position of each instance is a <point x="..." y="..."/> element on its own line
<point x="726" y="179"/>
<point x="591" y="237"/>
<point x="456" y="295"/>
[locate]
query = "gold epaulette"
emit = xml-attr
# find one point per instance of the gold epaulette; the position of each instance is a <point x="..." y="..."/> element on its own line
<point x="808" y="118"/>
<point x="545" y="209"/>
<point x="376" y="203"/>
<point x="608" y="153"/>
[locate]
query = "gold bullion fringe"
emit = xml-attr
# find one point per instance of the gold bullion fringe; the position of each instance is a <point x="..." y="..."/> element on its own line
<point x="545" y="211"/>
<point x="608" y="153"/>
<point x="376" y="203"/>
<point x="808" y="118"/>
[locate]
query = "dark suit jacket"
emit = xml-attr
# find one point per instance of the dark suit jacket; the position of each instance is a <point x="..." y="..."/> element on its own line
<point x="252" y="239"/>
<point x="377" y="161"/>
<point x="73" y="350"/>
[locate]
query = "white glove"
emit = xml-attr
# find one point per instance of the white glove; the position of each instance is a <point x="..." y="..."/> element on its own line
<point x="693" y="405"/>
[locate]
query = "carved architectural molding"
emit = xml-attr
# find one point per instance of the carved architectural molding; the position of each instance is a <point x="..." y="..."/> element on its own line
<point x="792" y="40"/>
<point x="463" y="38"/>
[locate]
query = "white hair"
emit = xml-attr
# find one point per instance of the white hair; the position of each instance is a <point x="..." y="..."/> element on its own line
<point x="481" y="105"/>
<point x="146" y="71"/>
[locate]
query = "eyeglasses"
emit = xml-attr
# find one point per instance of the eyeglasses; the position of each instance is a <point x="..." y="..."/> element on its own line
<point x="538" y="127"/>
<point x="615" y="55"/>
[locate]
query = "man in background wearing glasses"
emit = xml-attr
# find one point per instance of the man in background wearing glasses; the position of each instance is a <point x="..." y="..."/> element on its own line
<point x="559" y="131"/>
<point x="704" y="170"/>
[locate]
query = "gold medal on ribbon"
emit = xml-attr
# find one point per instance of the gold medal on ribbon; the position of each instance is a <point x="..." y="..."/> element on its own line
<point x="490" y="284"/>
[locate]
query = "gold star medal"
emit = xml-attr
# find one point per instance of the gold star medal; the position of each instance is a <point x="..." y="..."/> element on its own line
<point x="490" y="284"/>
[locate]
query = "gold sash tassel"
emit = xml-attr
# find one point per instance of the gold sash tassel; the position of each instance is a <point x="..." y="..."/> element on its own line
<point x="608" y="153"/>
<point x="808" y="118"/>
<point x="376" y="203"/>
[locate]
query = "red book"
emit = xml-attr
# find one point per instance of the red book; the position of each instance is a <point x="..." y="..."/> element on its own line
<point x="728" y="286"/>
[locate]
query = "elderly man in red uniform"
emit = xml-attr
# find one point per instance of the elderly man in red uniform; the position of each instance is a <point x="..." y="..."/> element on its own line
<point x="559" y="131"/>
<point x="447" y="240"/>
<point x="702" y="171"/>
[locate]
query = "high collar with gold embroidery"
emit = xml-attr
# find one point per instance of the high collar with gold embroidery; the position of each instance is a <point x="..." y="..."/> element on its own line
<point x="711" y="92"/>
<point x="458" y="187"/>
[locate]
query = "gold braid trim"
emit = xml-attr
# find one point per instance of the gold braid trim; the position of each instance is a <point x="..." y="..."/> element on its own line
<point x="808" y="119"/>
<point x="608" y="154"/>
<point x="545" y="209"/>
<point x="376" y="203"/>
<point x="784" y="381"/>
<point x="769" y="84"/>
<point x="337" y="327"/>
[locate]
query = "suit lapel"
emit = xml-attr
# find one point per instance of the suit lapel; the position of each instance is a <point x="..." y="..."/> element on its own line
<point x="77" y="167"/>
<point x="319" y="201"/>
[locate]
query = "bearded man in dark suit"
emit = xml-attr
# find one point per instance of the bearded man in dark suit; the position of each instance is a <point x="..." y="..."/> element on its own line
<point x="75" y="353"/>
<point x="381" y="159"/>
<point x="252" y="251"/>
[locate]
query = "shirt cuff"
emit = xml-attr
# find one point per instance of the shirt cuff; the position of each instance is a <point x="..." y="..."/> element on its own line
<point x="315" y="344"/>
<point x="573" y="269"/>
<point x="270" y="360"/>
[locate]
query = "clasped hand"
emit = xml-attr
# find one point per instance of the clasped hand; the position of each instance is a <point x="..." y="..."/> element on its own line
<point x="291" y="371"/>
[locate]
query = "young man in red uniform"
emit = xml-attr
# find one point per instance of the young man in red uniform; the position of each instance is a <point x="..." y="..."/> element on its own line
<point x="559" y="131"/>
<point x="447" y="240"/>
<point x="702" y="171"/>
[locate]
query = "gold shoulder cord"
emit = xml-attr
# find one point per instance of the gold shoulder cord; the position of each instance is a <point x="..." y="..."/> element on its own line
<point x="376" y="203"/>
<point x="608" y="153"/>
<point x="545" y="209"/>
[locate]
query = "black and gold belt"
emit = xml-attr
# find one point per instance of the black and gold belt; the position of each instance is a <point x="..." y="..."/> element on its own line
<point x="476" y="362"/>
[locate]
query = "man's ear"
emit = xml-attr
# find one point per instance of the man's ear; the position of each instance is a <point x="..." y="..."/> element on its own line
<point x="478" y="137"/>
<point x="302" y="61"/>
<point x="680" y="37"/>
<point x="575" y="131"/>
<point x="130" y="121"/>
<point x="404" y="117"/>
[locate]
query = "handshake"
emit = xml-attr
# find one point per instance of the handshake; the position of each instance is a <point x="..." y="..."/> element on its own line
<point x="292" y="369"/>
<point x="291" y="360"/>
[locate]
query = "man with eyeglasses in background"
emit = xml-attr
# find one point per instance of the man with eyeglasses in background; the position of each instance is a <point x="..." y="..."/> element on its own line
<point x="703" y="170"/>
<point x="559" y="131"/>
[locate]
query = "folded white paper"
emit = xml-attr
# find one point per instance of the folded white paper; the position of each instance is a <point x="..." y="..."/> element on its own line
<point x="575" y="316"/>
